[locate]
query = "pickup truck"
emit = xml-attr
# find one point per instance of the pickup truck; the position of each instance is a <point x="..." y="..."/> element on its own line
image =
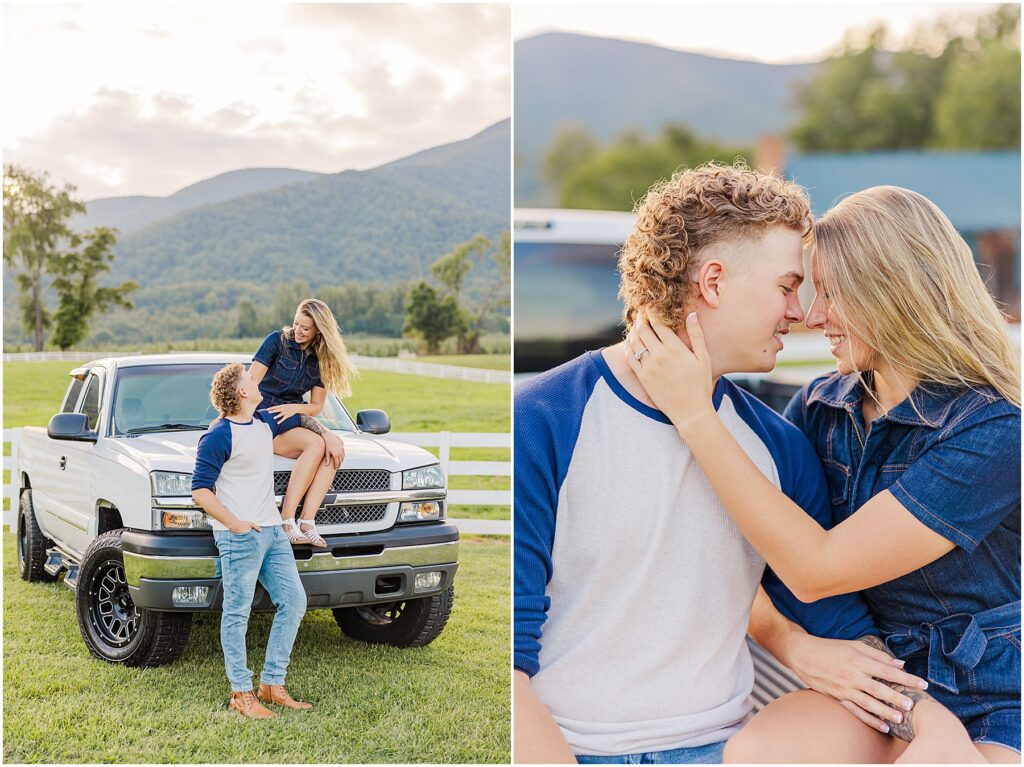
<point x="105" y="501"/>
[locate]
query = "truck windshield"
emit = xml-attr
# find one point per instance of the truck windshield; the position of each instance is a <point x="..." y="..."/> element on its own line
<point x="177" y="398"/>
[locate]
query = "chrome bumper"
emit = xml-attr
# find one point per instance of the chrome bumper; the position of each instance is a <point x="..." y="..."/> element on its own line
<point x="154" y="567"/>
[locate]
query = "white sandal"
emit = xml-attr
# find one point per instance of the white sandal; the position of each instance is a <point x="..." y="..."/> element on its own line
<point x="294" y="536"/>
<point x="311" y="535"/>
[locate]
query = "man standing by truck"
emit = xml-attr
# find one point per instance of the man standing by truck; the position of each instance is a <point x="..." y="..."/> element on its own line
<point x="234" y="484"/>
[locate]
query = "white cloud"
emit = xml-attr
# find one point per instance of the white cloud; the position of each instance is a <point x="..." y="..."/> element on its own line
<point x="148" y="100"/>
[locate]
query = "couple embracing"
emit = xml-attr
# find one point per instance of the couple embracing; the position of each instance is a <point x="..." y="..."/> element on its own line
<point x="264" y="411"/>
<point x="870" y="540"/>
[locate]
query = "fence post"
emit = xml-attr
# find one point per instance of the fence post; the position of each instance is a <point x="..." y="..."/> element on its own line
<point x="444" y="451"/>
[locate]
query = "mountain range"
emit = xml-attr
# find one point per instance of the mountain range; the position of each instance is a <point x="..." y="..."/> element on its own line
<point x="198" y="251"/>
<point x="612" y="86"/>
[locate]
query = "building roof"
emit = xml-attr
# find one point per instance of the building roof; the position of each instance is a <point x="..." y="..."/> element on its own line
<point x="979" y="191"/>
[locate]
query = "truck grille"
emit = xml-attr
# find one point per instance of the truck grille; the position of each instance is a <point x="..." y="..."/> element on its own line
<point x="351" y="515"/>
<point x="345" y="481"/>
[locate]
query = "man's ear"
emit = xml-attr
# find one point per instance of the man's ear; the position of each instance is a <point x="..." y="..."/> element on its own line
<point x="710" y="281"/>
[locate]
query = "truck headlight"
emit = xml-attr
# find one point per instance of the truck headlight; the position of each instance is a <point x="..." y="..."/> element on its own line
<point x="170" y="483"/>
<point x="184" y="519"/>
<point x="423" y="478"/>
<point x="420" y="511"/>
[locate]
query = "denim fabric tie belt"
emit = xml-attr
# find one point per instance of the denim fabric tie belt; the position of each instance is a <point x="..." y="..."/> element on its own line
<point x="954" y="642"/>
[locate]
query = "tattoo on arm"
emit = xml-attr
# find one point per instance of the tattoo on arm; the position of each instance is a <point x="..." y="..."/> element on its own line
<point x="903" y="730"/>
<point x="308" y="422"/>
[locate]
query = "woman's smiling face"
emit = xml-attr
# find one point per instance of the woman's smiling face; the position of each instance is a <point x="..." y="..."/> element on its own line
<point x="303" y="328"/>
<point x="850" y="352"/>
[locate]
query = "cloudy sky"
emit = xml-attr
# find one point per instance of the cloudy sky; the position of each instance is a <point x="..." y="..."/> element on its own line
<point x="146" y="99"/>
<point x="767" y="31"/>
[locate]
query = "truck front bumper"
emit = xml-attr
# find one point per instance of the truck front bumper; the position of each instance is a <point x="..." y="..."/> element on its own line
<point x="355" y="570"/>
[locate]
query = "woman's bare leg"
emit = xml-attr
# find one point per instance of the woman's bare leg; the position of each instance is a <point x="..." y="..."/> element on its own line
<point x="998" y="754"/>
<point x="318" y="488"/>
<point x="808" y="727"/>
<point x="307" y="449"/>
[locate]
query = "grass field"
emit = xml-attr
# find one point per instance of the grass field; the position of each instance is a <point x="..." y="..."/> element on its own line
<point x="486" y="361"/>
<point x="447" y="702"/>
<point x="33" y="391"/>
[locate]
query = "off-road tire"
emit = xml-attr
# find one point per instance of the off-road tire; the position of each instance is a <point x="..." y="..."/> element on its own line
<point x="32" y="544"/>
<point x="114" y="629"/>
<point x="410" y="623"/>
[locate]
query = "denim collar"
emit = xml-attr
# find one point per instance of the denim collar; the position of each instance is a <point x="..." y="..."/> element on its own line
<point x="934" y="402"/>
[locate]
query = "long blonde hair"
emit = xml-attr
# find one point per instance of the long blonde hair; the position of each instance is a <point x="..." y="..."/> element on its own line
<point x="336" y="369"/>
<point x="901" y="278"/>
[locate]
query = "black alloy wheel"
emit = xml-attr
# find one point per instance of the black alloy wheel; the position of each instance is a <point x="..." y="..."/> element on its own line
<point x="111" y="609"/>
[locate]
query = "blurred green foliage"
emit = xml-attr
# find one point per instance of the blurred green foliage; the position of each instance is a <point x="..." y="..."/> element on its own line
<point x="956" y="85"/>
<point x="614" y="177"/>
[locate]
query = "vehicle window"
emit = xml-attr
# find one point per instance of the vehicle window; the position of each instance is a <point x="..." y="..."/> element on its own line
<point x="566" y="302"/>
<point x="175" y="397"/>
<point x="71" y="398"/>
<point x="91" y="403"/>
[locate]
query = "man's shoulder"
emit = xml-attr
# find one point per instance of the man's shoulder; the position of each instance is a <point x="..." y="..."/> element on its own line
<point x="571" y="380"/>
<point x="779" y="434"/>
<point x="218" y="434"/>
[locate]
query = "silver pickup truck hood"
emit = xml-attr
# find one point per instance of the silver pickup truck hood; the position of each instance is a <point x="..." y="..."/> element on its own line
<point x="176" y="451"/>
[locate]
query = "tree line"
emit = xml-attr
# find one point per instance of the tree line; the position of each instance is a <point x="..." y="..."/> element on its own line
<point x="46" y="257"/>
<point x="432" y="310"/>
<point x="955" y="85"/>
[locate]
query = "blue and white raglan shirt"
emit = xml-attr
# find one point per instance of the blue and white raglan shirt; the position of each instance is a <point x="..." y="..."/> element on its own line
<point x="236" y="461"/>
<point x="639" y="578"/>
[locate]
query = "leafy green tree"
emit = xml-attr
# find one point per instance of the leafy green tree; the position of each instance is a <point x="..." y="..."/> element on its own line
<point x="431" y="317"/>
<point x="614" y="177"/>
<point x="452" y="268"/>
<point x="36" y="215"/>
<point x="79" y="296"/>
<point x="250" y="324"/>
<point x="980" y="106"/>
<point x="498" y="295"/>
<point x="950" y="88"/>
<point x="572" y="146"/>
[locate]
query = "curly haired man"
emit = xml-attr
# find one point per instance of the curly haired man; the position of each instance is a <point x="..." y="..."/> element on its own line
<point x="234" y="484"/>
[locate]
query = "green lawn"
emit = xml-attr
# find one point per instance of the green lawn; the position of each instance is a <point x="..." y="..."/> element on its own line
<point x="486" y="361"/>
<point x="33" y="391"/>
<point x="445" y="703"/>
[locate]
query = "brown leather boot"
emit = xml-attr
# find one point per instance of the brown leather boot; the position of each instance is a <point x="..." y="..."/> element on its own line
<point x="276" y="693"/>
<point x="245" y="703"/>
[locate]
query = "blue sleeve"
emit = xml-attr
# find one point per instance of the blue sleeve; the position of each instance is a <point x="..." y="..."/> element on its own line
<point x="213" y="452"/>
<point x="547" y="415"/>
<point x="269" y="349"/>
<point x="968" y="481"/>
<point x="292" y="422"/>
<point x="802" y="479"/>
<point x="844" y="616"/>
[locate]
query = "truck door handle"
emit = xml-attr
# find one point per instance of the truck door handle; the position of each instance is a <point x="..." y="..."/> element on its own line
<point x="63" y="462"/>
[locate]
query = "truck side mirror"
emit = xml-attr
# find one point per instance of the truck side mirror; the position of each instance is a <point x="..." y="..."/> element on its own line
<point x="373" y="421"/>
<point x="70" y="426"/>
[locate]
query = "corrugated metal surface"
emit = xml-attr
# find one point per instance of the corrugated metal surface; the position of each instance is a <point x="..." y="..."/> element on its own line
<point x="772" y="680"/>
<point x="979" y="191"/>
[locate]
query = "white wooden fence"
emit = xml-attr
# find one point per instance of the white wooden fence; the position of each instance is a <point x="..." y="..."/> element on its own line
<point x="384" y="364"/>
<point x="443" y="441"/>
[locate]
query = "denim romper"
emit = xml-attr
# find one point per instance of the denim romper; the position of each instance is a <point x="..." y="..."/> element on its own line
<point x="955" y="465"/>
<point x="291" y="371"/>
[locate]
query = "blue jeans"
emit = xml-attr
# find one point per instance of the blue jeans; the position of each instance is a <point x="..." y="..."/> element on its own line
<point x="265" y="556"/>
<point x="709" y="754"/>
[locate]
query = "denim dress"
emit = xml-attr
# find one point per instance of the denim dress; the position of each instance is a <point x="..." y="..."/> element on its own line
<point x="954" y="463"/>
<point x="291" y="370"/>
